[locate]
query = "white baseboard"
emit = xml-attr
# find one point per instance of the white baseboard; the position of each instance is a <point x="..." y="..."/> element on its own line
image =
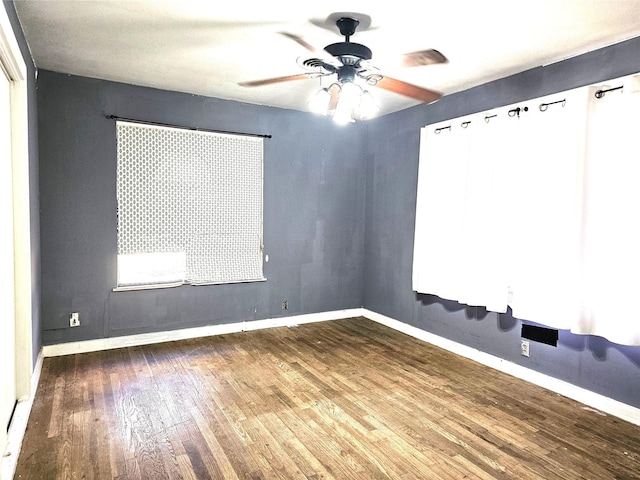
<point x="196" y="332"/>
<point x="594" y="400"/>
<point x="19" y="425"/>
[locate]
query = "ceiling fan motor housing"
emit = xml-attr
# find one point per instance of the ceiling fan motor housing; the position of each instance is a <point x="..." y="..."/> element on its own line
<point x="349" y="49"/>
<point x="346" y="74"/>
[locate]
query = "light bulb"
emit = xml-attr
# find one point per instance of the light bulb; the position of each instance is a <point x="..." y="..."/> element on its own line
<point x="349" y="96"/>
<point x="320" y="102"/>
<point x="368" y="106"/>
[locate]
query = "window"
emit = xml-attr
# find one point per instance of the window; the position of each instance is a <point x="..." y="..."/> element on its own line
<point x="189" y="206"/>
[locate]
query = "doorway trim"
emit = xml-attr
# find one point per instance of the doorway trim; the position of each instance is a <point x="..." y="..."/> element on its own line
<point x="13" y="64"/>
<point x="14" y="67"/>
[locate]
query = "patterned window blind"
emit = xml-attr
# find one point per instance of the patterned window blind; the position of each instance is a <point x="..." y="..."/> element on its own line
<point x="189" y="206"/>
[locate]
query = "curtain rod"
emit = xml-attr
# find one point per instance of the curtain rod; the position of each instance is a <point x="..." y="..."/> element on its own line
<point x="438" y="130"/>
<point x="543" y="106"/>
<point x="159" y="124"/>
<point x="600" y="93"/>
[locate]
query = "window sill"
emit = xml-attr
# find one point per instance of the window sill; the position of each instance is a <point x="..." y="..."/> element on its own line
<point x="130" y="288"/>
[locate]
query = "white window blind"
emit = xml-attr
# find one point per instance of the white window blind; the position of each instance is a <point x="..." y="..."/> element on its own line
<point x="189" y="206"/>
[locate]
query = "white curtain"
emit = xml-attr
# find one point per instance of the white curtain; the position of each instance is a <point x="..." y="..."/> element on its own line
<point x="440" y="208"/>
<point x="485" y="281"/>
<point x="536" y="210"/>
<point x="546" y="219"/>
<point x="611" y="234"/>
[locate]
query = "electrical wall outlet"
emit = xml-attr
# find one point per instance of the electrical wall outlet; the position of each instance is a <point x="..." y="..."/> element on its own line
<point x="285" y="305"/>
<point x="524" y="348"/>
<point x="74" y="319"/>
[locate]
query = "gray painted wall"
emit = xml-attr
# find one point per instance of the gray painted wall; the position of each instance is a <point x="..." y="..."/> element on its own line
<point x="339" y="217"/>
<point x="313" y="212"/>
<point x="392" y="167"/>
<point x="33" y="176"/>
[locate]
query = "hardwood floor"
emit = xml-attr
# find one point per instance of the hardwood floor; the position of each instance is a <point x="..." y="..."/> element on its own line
<point x="347" y="399"/>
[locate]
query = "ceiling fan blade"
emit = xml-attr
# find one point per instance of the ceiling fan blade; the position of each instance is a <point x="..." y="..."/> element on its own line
<point x="334" y="90"/>
<point x="300" y="41"/>
<point x="408" y="90"/>
<point x="423" y="57"/>
<point x="269" y="81"/>
<point x="320" y="53"/>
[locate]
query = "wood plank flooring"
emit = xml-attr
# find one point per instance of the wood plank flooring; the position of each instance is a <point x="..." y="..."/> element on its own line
<point x="347" y="399"/>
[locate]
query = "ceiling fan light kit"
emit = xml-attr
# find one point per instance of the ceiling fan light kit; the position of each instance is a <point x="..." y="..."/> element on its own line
<point x="345" y="99"/>
<point x="350" y="103"/>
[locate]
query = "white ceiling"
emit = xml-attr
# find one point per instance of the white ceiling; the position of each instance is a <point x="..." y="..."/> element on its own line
<point x="206" y="47"/>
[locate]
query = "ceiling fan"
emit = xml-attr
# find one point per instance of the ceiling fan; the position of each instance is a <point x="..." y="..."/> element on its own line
<point x="349" y="60"/>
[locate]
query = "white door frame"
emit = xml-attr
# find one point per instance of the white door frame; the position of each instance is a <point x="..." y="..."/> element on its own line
<point x="14" y="67"/>
<point x="13" y="64"/>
